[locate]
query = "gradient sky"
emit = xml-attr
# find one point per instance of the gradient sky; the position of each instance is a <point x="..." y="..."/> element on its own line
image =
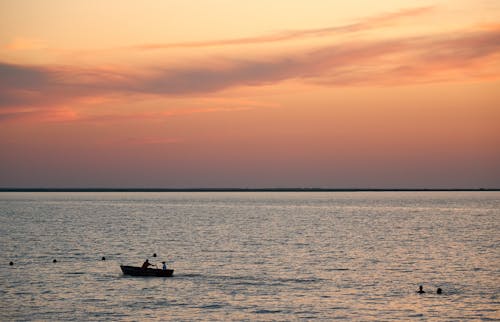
<point x="224" y="93"/>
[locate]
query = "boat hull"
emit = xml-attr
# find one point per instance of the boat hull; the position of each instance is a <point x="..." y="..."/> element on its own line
<point x="138" y="271"/>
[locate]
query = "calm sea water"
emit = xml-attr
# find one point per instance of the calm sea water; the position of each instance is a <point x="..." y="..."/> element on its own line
<point x="251" y="256"/>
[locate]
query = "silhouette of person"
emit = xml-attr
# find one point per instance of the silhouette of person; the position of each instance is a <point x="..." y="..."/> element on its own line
<point x="420" y="290"/>
<point x="439" y="291"/>
<point x="146" y="264"/>
<point x="164" y="266"/>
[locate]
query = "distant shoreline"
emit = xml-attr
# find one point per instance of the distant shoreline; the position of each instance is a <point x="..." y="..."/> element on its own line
<point x="234" y="190"/>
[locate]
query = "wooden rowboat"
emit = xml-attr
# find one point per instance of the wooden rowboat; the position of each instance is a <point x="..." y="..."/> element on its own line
<point x="138" y="271"/>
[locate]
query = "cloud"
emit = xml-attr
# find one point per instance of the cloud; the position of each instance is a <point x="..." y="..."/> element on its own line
<point x="56" y="114"/>
<point x="31" y="85"/>
<point x="366" y="24"/>
<point x="26" y="76"/>
<point x="432" y="58"/>
<point x="375" y="62"/>
<point x="20" y="43"/>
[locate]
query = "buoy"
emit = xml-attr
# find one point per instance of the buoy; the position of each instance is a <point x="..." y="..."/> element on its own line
<point x="154" y="254"/>
<point x="103" y="258"/>
<point x="54" y="261"/>
<point x="11" y="263"/>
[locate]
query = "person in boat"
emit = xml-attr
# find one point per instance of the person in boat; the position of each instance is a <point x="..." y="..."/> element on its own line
<point x="420" y="290"/>
<point x="164" y="266"/>
<point x="146" y="264"/>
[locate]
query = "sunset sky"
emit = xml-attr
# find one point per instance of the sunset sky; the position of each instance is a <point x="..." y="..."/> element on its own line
<point x="225" y="93"/>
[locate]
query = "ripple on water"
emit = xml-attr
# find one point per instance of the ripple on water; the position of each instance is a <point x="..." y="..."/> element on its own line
<point x="251" y="256"/>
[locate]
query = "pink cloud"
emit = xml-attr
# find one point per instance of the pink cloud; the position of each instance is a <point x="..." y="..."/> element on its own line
<point x="448" y="57"/>
<point x="56" y="114"/>
<point x="364" y="25"/>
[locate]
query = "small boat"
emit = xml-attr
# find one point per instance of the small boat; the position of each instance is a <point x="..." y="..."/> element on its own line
<point x="138" y="271"/>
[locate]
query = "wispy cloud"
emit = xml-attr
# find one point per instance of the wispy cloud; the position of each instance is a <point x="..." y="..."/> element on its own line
<point x="366" y="24"/>
<point x="55" y="114"/>
<point x="457" y="56"/>
<point x="20" y="43"/>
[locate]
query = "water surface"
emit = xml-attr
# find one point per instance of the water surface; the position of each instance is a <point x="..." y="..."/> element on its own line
<point x="251" y="255"/>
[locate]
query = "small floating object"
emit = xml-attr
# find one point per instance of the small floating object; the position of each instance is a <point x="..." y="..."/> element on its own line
<point x="138" y="271"/>
<point x="54" y="261"/>
<point x="154" y="254"/>
<point x="11" y="263"/>
<point x="439" y="291"/>
<point x="103" y="258"/>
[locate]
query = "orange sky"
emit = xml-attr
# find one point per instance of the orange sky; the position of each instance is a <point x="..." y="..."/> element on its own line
<point x="386" y="94"/>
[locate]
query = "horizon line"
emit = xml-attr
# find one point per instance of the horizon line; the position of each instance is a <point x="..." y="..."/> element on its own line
<point x="295" y="189"/>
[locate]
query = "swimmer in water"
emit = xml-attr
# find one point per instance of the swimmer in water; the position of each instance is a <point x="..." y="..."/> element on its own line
<point x="439" y="291"/>
<point x="420" y="290"/>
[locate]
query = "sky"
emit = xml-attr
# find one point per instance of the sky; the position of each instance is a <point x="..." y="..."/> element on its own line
<point x="250" y="94"/>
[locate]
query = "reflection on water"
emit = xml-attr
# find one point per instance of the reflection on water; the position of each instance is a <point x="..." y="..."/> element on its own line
<point x="255" y="256"/>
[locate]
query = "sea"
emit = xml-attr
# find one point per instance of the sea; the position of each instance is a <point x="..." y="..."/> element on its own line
<point x="250" y="256"/>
